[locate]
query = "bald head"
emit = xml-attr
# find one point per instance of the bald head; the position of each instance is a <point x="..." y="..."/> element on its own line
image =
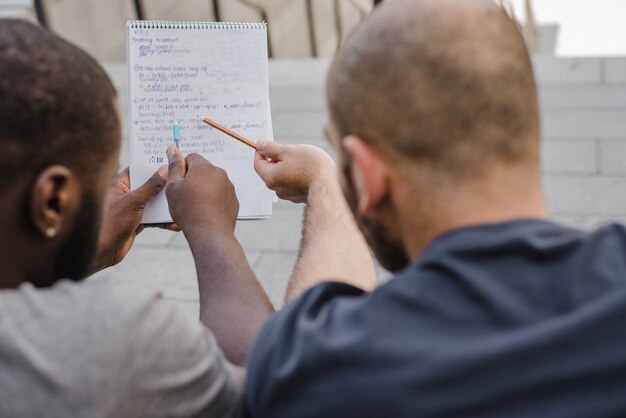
<point x="442" y="83"/>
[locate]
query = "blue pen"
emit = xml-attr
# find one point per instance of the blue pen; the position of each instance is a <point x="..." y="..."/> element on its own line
<point x="176" y="128"/>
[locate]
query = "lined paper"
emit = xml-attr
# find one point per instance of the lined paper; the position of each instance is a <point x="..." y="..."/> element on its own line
<point x="217" y="71"/>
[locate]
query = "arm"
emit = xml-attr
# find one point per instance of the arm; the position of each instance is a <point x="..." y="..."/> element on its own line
<point x="202" y="202"/>
<point x="232" y="303"/>
<point x="332" y="246"/>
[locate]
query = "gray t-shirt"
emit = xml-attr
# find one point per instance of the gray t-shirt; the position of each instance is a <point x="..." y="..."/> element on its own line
<point x="99" y="348"/>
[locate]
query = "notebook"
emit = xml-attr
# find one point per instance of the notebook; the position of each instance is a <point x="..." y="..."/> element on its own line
<point x="178" y="71"/>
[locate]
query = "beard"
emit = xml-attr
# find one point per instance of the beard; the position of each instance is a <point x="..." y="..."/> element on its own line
<point x="388" y="251"/>
<point x="76" y="255"/>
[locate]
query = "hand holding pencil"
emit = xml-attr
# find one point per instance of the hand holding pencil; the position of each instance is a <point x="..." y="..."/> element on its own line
<point x="289" y="170"/>
<point x="292" y="170"/>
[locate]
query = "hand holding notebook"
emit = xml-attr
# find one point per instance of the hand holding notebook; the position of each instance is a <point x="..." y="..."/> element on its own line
<point x="191" y="197"/>
<point x="218" y="70"/>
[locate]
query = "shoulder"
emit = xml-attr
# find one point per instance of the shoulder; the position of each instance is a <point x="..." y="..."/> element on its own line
<point x="314" y="307"/>
<point x="115" y="318"/>
<point x="172" y="362"/>
<point x="613" y="231"/>
<point x="295" y="341"/>
<point x="81" y="302"/>
<point x="148" y="355"/>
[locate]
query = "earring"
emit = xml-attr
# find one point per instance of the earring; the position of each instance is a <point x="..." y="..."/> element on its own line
<point x="51" y="232"/>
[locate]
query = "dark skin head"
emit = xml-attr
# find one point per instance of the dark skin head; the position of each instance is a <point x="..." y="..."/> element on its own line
<point x="60" y="138"/>
<point x="433" y="111"/>
<point x="54" y="232"/>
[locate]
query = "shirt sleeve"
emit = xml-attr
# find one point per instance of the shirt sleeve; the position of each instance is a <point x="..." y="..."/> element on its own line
<point x="290" y="361"/>
<point x="171" y="365"/>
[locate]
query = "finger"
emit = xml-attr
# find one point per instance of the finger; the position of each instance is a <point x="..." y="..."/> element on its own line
<point x="169" y="227"/>
<point x="270" y="149"/>
<point x="196" y="160"/>
<point x="123" y="180"/>
<point x="261" y="165"/>
<point x="125" y="173"/>
<point x="177" y="166"/>
<point x="152" y="187"/>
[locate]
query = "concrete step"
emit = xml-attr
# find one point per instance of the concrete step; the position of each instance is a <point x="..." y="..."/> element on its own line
<point x="582" y="96"/>
<point x="593" y="196"/>
<point x="583" y="148"/>
<point x="590" y="123"/>
<point x="298" y="72"/>
<point x="552" y="97"/>
<point x="549" y="70"/>
<point x="593" y="156"/>
<point x="564" y="83"/>
<point x="552" y="70"/>
<point x="297" y="98"/>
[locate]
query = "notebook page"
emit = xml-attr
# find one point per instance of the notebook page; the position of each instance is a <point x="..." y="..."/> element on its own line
<point x="217" y="71"/>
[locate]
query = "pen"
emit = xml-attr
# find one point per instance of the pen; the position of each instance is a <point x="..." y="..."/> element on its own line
<point x="229" y="132"/>
<point x="176" y="128"/>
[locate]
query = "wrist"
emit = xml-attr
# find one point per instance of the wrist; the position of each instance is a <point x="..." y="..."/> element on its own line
<point x="324" y="179"/>
<point x="202" y="231"/>
<point x="324" y="171"/>
<point x="211" y="246"/>
<point x="100" y="262"/>
<point x="324" y="189"/>
<point x="105" y="254"/>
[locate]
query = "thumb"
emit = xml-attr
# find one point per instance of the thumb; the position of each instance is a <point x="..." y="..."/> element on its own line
<point x="270" y="149"/>
<point x="177" y="165"/>
<point x="151" y="188"/>
<point x="262" y="165"/>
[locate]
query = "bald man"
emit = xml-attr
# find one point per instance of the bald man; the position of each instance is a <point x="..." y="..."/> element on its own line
<point x="494" y="311"/>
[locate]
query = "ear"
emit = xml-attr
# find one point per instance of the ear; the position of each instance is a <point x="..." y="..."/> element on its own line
<point x="369" y="171"/>
<point x="55" y="198"/>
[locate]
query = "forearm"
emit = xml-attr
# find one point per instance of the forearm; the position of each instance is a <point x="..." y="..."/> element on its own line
<point x="232" y="303"/>
<point x="332" y="246"/>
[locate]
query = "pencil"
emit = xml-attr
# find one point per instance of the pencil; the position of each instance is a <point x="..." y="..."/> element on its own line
<point x="229" y="132"/>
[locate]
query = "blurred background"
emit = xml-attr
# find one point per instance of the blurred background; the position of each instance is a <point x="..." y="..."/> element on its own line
<point x="298" y="29"/>
<point x="579" y="55"/>
<point x="313" y="28"/>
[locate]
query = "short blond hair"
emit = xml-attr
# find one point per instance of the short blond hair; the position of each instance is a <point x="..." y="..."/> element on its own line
<point x="438" y="82"/>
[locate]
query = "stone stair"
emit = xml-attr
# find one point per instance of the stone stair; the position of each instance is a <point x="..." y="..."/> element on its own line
<point x="583" y="104"/>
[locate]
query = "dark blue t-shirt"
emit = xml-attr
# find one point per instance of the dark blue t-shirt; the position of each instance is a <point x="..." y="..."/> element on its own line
<point x="519" y="319"/>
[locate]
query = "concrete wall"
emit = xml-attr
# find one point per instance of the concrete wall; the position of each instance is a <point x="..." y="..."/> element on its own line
<point x="583" y="106"/>
<point x="583" y="110"/>
<point x="584" y="138"/>
<point x="584" y="168"/>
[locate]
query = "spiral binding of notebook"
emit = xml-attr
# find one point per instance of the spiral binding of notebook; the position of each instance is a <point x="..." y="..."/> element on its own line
<point x="169" y="24"/>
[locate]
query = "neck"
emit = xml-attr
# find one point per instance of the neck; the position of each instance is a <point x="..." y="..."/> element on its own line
<point x="11" y="277"/>
<point x="24" y="261"/>
<point x="23" y="258"/>
<point x="508" y="194"/>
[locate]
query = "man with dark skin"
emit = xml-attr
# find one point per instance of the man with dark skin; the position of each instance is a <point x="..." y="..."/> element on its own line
<point x="493" y="311"/>
<point x="97" y="348"/>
